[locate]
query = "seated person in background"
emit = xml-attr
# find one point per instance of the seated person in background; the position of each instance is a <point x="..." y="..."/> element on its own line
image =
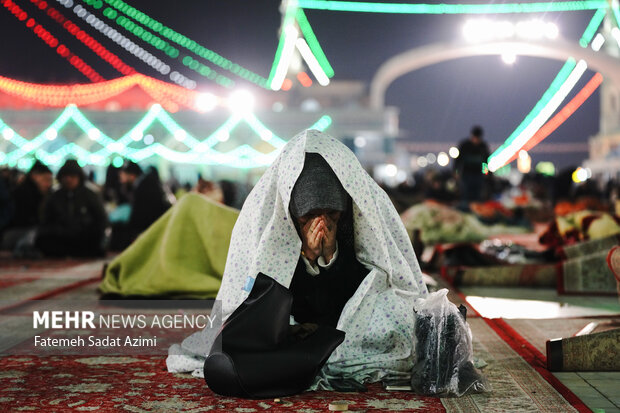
<point x="74" y="220"/>
<point x="225" y="192"/>
<point x="147" y="199"/>
<point x="112" y="191"/>
<point x="6" y="204"/>
<point x="28" y="200"/>
<point x="209" y="189"/>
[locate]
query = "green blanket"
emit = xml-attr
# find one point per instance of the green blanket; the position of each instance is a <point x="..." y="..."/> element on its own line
<point x="182" y="254"/>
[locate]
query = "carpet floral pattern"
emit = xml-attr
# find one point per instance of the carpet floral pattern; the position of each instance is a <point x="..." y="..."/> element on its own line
<point x="517" y="387"/>
<point x="141" y="384"/>
<point x="32" y="280"/>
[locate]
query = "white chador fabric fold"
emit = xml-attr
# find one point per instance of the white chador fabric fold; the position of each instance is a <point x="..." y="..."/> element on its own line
<point x="379" y="317"/>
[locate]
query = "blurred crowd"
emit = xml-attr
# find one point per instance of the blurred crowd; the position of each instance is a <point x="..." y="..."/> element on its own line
<point x="470" y="187"/>
<point x="552" y="193"/>
<point x="69" y="215"/>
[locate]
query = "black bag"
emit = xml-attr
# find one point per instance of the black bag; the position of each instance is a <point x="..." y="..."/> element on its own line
<point x="257" y="354"/>
<point x="444" y="353"/>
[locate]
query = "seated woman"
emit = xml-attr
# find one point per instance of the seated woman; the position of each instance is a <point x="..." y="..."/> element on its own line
<point x="318" y="224"/>
<point x="327" y="273"/>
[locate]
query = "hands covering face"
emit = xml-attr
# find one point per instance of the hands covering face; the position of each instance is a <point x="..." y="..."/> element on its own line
<point x="318" y="236"/>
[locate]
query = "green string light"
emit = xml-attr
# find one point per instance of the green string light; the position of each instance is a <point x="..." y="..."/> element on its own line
<point x="546" y="97"/>
<point x="616" y="14"/>
<point x="143" y="34"/>
<point x="588" y="34"/>
<point x="164" y="46"/>
<point x="96" y="4"/>
<point x="323" y="123"/>
<point x="207" y="72"/>
<point x="313" y="43"/>
<point x="592" y="27"/>
<point x="199" y="151"/>
<point x="181" y="40"/>
<point x="117" y="162"/>
<point x="289" y="20"/>
<point x="400" y="8"/>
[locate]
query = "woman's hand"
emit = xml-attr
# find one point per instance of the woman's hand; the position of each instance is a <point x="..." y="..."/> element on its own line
<point x="318" y="236"/>
<point x="329" y="227"/>
<point x="312" y="234"/>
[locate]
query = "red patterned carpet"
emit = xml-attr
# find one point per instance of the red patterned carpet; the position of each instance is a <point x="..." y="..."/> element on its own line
<point x="7" y="263"/>
<point x="141" y="384"/>
<point x="40" y="279"/>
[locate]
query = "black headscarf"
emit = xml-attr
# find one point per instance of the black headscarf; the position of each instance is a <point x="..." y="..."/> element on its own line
<point x="317" y="187"/>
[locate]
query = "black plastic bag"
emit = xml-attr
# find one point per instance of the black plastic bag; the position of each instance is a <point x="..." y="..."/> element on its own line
<point x="444" y="355"/>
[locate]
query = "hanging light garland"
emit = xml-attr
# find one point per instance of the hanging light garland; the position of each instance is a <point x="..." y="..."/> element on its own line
<point x="102" y="52"/>
<point x="200" y="151"/>
<point x="559" y="88"/>
<point x="142" y="33"/>
<point x="507" y="152"/>
<point x="420" y="8"/>
<point x="169" y="95"/>
<point x="546" y="97"/>
<point x="498" y="160"/>
<point x="310" y="37"/>
<point x="52" y="41"/>
<point x="592" y="27"/>
<point x="160" y="44"/>
<point x="566" y="112"/>
<point x="325" y="71"/>
<point x="118" y="38"/>
<point x="84" y="37"/>
<point x="512" y="8"/>
<point x="173" y="36"/>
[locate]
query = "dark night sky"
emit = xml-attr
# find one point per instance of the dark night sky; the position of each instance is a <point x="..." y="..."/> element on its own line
<point x="437" y="103"/>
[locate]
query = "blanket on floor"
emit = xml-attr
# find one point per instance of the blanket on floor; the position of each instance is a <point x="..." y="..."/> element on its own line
<point x="182" y="254"/>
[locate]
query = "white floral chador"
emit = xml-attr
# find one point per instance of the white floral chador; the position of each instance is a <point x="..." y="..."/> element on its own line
<point x="379" y="317"/>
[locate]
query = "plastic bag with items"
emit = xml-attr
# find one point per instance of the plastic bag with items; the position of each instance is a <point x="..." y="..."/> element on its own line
<point x="444" y="354"/>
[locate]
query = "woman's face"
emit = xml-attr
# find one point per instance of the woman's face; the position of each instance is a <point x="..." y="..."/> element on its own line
<point x="329" y="215"/>
<point x="317" y="230"/>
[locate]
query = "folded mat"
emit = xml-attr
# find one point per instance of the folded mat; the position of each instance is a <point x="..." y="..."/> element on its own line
<point x="182" y="254"/>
